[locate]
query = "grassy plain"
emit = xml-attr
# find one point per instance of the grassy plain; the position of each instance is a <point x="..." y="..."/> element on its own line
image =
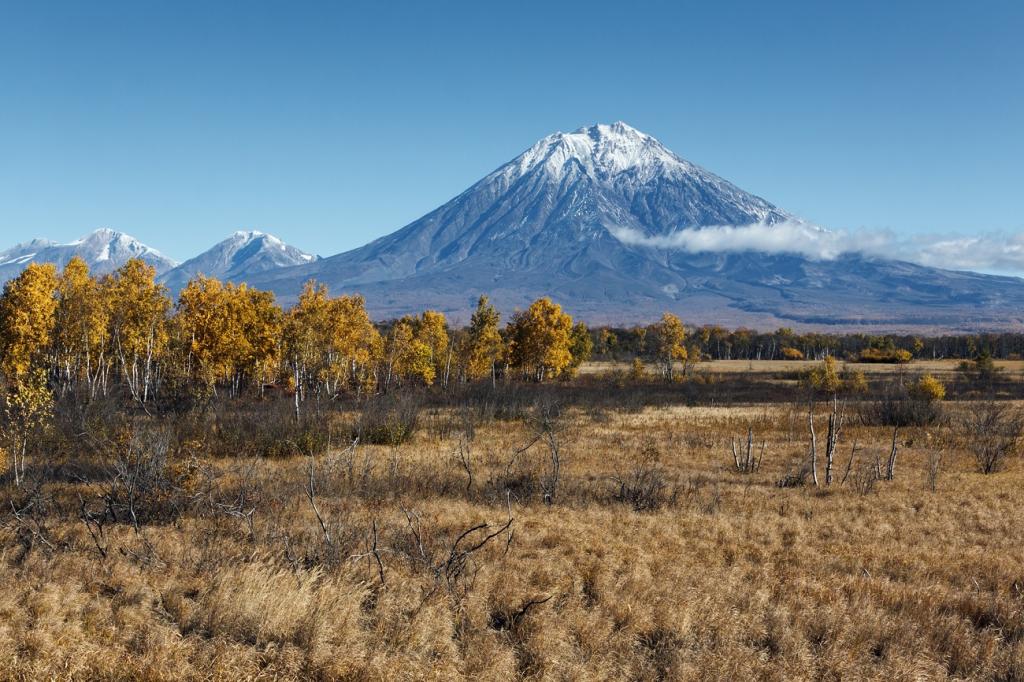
<point x="940" y="368"/>
<point x="652" y="559"/>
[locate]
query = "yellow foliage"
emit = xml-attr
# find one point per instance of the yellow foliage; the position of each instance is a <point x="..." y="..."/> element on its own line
<point x="540" y="340"/>
<point x="855" y="382"/>
<point x="205" y="321"/>
<point x="792" y="354"/>
<point x="228" y="331"/>
<point x="27" y="315"/>
<point x="670" y="337"/>
<point x="485" y="343"/>
<point x="431" y="329"/>
<point x="897" y="355"/>
<point x="307" y="333"/>
<point x="138" y="322"/>
<point x="28" y="405"/>
<point x="407" y="356"/>
<point x="581" y="347"/>
<point x="330" y="341"/>
<point x="825" y="377"/>
<point x="81" y="329"/>
<point x="356" y="343"/>
<point x="262" y="322"/>
<point x="928" y="388"/>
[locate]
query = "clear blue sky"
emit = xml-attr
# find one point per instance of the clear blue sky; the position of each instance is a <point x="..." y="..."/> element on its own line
<point x="333" y="123"/>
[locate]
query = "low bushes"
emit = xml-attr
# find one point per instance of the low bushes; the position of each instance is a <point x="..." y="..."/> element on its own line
<point x="887" y="355"/>
<point x="387" y="420"/>
<point x="905" y="404"/>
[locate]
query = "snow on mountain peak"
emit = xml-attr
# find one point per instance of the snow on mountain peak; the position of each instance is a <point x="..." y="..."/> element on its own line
<point x="104" y="244"/>
<point x="104" y="250"/>
<point x="603" y="152"/>
<point x="241" y="255"/>
<point x="250" y="235"/>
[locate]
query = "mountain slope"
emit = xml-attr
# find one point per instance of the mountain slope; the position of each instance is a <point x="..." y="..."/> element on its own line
<point x="237" y="259"/>
<point x="569" y="218"/>
<point x="562" y="194"/>
<point x="104" y="250"/>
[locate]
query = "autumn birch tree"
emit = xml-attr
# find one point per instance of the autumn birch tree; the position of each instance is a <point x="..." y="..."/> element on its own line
<point x="28" y="310"/>
<point x="670" y="334"/>
<point x="485" y="345"/>
<point x="540" y="340"/>
<point x="81" y="329"/>
<point x="138" y="323"/>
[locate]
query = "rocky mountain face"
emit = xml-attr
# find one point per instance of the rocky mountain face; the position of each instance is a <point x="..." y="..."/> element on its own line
<point x="104" y="251"/>
<point x="238" y="258"/>
<point x="590" y="218"/>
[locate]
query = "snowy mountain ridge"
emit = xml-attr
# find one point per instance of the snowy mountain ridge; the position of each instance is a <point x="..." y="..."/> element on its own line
<point x="237" y="258"/>
<point x="104" y="250"/>
<point x="244" y="253"/>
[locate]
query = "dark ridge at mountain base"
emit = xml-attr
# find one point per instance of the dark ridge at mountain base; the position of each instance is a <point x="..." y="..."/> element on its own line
<point x="853" y="294"/>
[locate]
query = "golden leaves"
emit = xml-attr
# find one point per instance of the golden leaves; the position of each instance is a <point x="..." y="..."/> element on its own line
<point x="540" y="339"/>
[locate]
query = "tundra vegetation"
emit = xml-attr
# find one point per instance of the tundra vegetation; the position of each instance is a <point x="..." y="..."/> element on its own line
<point x="220" y="488"/>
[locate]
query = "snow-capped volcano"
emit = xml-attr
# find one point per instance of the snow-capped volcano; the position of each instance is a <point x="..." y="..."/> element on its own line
<point x="237" y="258"/>
<point x="623" y="160"/>
<point x="104" y="251"/>
<point x="612" y="224"/>
<point x="567" y="195"/>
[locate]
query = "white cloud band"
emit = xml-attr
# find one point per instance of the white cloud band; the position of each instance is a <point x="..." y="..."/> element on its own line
<point x="991" y="252"/>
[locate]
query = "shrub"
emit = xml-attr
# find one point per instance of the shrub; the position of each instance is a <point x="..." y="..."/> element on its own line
<point x="792" y="354"/>
<point x="897" y="406"/>
<point x="981" y="368"/>
<point x="993" y="432"/>
<point x="824" y="377"/>
<point x="637" y="371"/>
<point x="885" y="355"/>
<point x="267" y="429"/>
<point x="864" y="478"/>
<point x="855" y="383"/>
<point x="388" y="420"/>
<point x="928" y="388"/>
<point x="643" y="488"/>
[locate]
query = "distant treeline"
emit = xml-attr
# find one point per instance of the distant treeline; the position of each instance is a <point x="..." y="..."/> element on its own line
<point x="75" y="333"/>
<point x="717" y="343"/>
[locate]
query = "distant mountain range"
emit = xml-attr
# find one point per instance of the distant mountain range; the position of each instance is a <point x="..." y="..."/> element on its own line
<point x="614" y="226"/>
<point x="238" y="258"/>
<point x="104" y="250"/>
<point x="235" y="259"/>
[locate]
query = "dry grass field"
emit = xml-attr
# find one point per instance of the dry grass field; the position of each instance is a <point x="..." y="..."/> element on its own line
<point x="460" y="554"/>
<point x="944" y="368"/>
